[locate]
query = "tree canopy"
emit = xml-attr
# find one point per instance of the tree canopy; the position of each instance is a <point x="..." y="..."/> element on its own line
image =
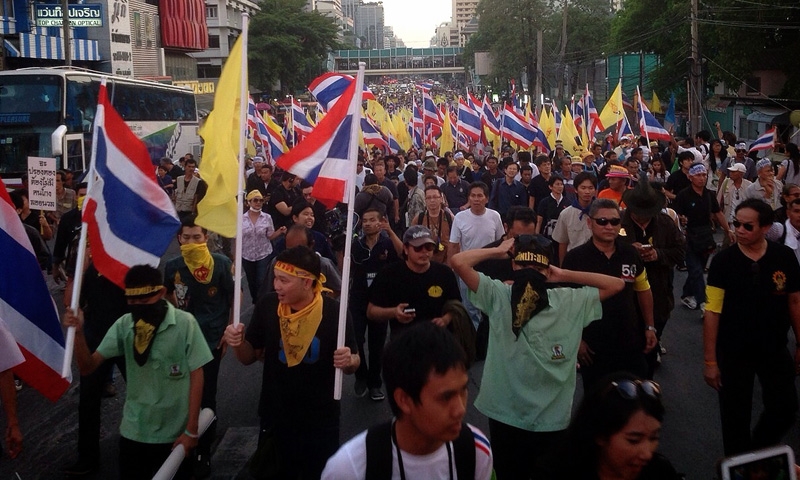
<point x="288" y="44"/>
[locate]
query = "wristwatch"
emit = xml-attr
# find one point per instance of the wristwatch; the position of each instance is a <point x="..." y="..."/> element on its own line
<point x="651" y="328"/>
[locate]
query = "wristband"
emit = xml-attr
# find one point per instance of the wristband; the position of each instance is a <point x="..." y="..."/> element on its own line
<point x="190" y="435"/>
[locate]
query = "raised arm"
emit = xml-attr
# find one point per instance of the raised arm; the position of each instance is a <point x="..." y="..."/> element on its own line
<point x="463" y="263"/>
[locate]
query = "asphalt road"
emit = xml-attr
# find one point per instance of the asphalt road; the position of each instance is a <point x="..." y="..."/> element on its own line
<point x="691" y="432"/>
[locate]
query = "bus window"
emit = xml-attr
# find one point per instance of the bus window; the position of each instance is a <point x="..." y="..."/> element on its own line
<point x="81" y="103"/>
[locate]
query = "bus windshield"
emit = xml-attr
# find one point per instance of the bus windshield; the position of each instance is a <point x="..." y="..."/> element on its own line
<point x="30" y="109"/>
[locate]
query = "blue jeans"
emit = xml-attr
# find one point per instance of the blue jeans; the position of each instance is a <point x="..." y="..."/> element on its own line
<point x="472" y="310"/>
<point x="695" y="282"/>
<point x="255" y="272"/>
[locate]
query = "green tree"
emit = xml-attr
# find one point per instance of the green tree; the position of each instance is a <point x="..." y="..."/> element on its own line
<point x="289" y="45"/>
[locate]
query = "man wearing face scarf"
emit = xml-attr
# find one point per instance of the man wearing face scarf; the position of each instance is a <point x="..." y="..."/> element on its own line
<point x="529" y="376"/>
<point x="164" y="351"/>
<point x="294" y="332"/>
<point x="201" y="283"/>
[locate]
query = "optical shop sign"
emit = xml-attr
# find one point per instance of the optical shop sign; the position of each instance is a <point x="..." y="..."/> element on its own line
<point x="79" y="15"/>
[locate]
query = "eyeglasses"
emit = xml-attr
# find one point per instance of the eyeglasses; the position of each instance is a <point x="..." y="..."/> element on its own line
<point x="433" y="198"/>
<point x="603" y="221"/>
<point x="630" y="389"/>
<point x="426" y="246"/>
<point x="747" y="226"/>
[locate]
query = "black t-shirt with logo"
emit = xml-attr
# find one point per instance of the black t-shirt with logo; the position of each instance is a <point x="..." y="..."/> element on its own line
<point x="755" y="310"/>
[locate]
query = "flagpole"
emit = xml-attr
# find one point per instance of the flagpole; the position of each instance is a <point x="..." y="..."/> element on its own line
<point x="243" y="95"/>
<point x="348" y="244"/>
<point x="77" y="282"/>
<point x="641" y="111"/>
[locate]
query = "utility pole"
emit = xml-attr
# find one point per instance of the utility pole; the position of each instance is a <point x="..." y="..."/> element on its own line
<point x="695" y="76"/>
<point x="65" y="27"/>
<point x="561" y="65"/>
<point x="538" y="92"/>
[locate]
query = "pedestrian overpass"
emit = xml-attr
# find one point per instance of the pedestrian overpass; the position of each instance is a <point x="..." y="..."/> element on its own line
<point x="401" y="61"/>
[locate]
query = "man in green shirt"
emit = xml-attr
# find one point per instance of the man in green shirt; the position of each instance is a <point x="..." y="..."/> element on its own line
<point x="529" y="376"/>
<point x="164" y="352"/>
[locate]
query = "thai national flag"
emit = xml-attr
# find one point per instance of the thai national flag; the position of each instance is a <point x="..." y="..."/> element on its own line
<point x="469" y="123"/>
<point x="324" y="158"/>
<point x="372" y="136"/>
<point x="765" y="141"/>
<point x="593" y="122"/>
<point x="577" y="115"/>
<point x="27" y="308"/>
<point x="431" y="117"/>
<point x="256" y="125"/>
<point x="556" y="116"/>
<point x="300" y="125"/>
<point x="489" y="118"/>
<point x="130" y="219"/>
<point x="394" y="145"/>
<point x="328" y="87"/>
<point x="648" y="125"/>
<point x="623" y="127"/>
<point x="626" y="102"/>
<point x="515" y="128"/>
<point x="417" y="126"/>
<point x="276" y="143"/>
<point x="474" y="103"/>
<point x="425" y="87"/>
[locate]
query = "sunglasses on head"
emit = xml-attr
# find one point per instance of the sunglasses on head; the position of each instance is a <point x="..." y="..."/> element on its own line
<point x="603" y="221"/>
<point x="747" y="226"/>
<point x="425" y="246"/>
<point x="631" y="389"/>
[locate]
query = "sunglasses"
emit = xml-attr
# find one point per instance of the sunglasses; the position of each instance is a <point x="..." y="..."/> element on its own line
<point x="602" y="221"/>
<point x="426" y="246"/>
<point x="631" y="389"/>
<point x="747" y="226"/>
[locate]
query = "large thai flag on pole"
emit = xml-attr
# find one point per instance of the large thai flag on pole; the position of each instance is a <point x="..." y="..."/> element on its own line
<point x="325" y="157"/>
<point x="648" y="125"/>
<point x="300" y="124"/>
<point x="27" y="308"/>
<point x="765" y="141"/>
<point x="417" y="126"/>
<point x="431" y="118"/>
<point x="593" y="122"/>
<point x="516" y="129"/>
<point x="469" y="123"/>
<point x="556" y="116"/>
<point x="328" y="87"/>
<point x="130" y="220"/>
<point x="372" y="136"/>
<point x="255" y="124"/>
<point x="489" y="118"/>
<point x="623" y="127"/>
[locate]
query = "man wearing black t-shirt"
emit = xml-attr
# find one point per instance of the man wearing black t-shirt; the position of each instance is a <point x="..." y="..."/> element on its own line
<point x="753" y="298"/>
<point x="679" y="181"/>
<point x="297" y="409"/>
<point x="281" y="201"/>
<point x="415" y="289"/>
<point x="625" y="333"/>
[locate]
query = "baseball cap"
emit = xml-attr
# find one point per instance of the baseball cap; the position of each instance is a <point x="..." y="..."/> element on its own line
<point x="532" y="250"/>
<point x="418" y="235"/>
<point x="429" y="164"/>
<point x="737" y="167"/>
<point x="741" y="146"/>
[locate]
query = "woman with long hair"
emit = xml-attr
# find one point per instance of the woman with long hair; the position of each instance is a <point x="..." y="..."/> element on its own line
<point x="613" y="435"/>
<point x="658" y="171"/>
<point x="789" y="171"/>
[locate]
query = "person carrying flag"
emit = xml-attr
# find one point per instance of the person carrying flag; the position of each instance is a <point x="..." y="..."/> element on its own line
<point x="165" y="351"/>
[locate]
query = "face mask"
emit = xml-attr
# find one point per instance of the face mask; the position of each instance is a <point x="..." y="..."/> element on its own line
<point x="146" y="320"/>
<point x="255" y="210"/>
<point x="528" y="297"/>
<point x="199" y="261"/>
<point x="81" y="198"/>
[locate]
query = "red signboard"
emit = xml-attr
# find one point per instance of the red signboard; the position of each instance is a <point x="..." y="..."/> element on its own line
<point x="183" y="24"/>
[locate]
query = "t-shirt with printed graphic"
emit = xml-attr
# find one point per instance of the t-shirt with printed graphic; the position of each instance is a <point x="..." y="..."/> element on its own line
<point x="301" y="395"/>
<point x="210" y="302"/>
<point x="426" y="292"/>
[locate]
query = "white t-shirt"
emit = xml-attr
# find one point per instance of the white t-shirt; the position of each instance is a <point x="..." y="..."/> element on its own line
<point x="350" y="462"/>
<point x="476" y="231"/>
<point x="10" y="355"/>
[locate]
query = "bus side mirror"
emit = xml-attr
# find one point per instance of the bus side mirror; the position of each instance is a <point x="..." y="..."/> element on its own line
<point x="57" y="140"/>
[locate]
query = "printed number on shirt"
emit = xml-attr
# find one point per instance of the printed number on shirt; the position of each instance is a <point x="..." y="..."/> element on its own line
<point x="628" y="272"/>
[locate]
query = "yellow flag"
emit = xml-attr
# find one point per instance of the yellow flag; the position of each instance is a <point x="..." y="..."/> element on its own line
<point x="218" y="210"/>
<point x="568" y="133"/>
<point x="613" y="110"/>
<point x="446" y="141"/>
<point x="403" y="138"/>
<point x="548" y="125"/>
<point x="655" y="106"/>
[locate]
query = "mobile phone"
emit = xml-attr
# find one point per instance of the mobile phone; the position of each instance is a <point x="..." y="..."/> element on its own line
<point x="646" y="246"/>
<point x="409" y="310"/>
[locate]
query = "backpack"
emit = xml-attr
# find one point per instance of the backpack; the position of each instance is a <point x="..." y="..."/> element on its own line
<point x="379" y="452"/>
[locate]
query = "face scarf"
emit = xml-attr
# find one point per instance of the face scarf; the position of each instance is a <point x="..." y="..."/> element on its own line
<point x="528" y="297"/>
<point x="255" y="210"/>
<point x="298" y="328"/>
<point x="199" y="261"/>
<point x="146" y="320"/>
<point x="80" y="200"/>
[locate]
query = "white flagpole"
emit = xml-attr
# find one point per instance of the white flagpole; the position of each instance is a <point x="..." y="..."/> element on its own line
<point x="243" y="95"/>
<point x="641" y="111"/>
<point x="355" y="110"/>
<point x="77" y="282"/>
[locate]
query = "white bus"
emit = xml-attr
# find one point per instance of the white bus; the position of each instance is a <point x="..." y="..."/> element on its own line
<point x="49" y="112"/>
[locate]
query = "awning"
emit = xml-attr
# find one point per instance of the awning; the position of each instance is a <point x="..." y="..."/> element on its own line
<point x="8" y="26"/>
<point x="765" y="115"/>
<point x="11" y="50"/>
<point x="52" y="48"/>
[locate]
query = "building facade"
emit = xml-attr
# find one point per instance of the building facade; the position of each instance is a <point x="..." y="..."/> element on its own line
<point x="224" y="19"/>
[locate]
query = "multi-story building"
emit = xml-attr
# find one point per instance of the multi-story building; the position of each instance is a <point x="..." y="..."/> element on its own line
<point x="463" y="12"/>
<point x="369" y="24"/>
<point x="446" y="36"/>
<point x="224" y="19"/>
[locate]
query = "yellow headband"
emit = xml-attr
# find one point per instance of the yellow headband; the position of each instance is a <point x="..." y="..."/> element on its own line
<point x="141" y="291"/>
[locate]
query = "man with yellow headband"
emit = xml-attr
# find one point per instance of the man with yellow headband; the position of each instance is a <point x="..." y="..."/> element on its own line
<point x="294" y="331"/>
<point x="529" y="375"/>
<point x="620" y="340"/>
<point x="201" y="283"/>
<point x="164" y="352"/>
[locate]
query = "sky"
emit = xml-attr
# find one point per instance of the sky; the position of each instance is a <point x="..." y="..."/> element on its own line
<point x="415" y="21"/>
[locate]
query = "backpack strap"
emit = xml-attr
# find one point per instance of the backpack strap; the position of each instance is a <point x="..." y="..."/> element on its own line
<point x="464" y="450"/>
<point x="379" y="452"/>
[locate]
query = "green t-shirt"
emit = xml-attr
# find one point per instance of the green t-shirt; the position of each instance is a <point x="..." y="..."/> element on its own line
<point x="157" y="400"/>
<point x="529" y="382"/>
